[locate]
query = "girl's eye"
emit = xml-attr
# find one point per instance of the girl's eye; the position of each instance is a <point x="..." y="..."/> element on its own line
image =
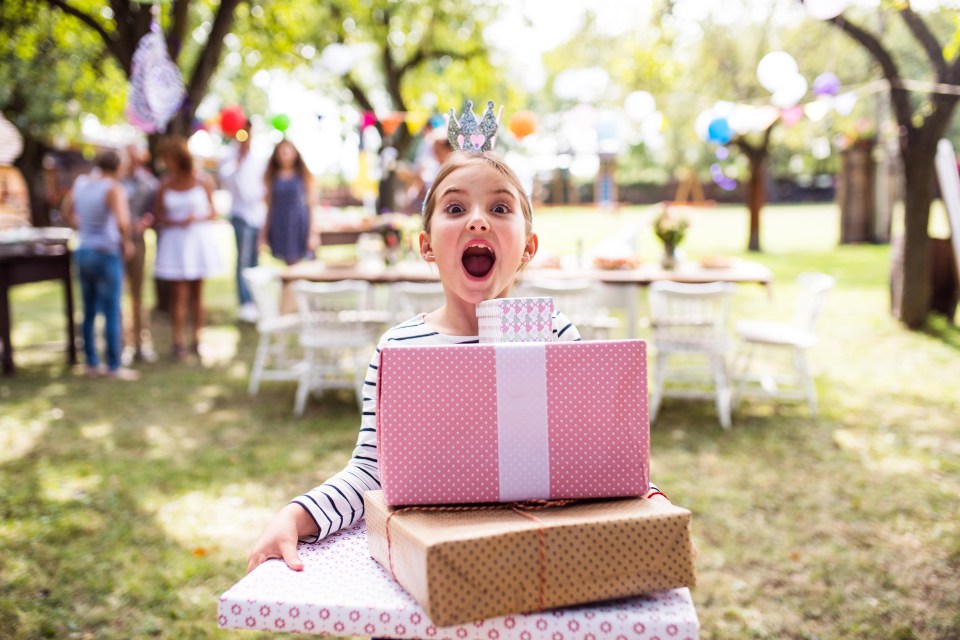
<point x="500" y="208"/>
<point x="454" y="208"/>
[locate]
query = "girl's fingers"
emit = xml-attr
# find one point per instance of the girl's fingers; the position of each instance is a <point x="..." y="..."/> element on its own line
<point x="291" y="557"/>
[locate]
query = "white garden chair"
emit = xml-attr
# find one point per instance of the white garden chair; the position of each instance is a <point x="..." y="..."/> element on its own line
<point x="277" y="356"/>
<point x="411" y="298"/>
<point x="338" y="335"/>
<point x="578" y="300"/>
<point x="689" y="323"/>
<point x="791" y="339"/>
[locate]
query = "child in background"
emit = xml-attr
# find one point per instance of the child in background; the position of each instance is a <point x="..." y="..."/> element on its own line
<point x="187" y="250"/>
<point x="478" y="230"/>
<point x="288" y="229"/>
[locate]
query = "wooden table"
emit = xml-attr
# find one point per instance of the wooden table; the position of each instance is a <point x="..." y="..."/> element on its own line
<point x="34" y="260"/>
<point x="739" y="271"/>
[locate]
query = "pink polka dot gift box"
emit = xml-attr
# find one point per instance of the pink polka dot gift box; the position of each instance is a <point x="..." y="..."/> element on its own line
<point x="342" y="591"/>
<point x="512" y="421"/>
<point x="515" y="320"/>
<point x="483" y="561"/>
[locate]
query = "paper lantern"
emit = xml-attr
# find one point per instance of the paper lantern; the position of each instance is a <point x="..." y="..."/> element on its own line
<point x="774" y="68"/>
<point x="232" y="119"/>
<point x="391" y="122"/>
<point x="719" y="131"/>
<point x="522" y="124"/>
<point x="826" y="84"/>
<point x="280" y="122"/>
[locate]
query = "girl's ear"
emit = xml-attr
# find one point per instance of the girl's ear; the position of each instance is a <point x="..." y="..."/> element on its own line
<point x="530" y="249"/>
<point x="426" y="251"/>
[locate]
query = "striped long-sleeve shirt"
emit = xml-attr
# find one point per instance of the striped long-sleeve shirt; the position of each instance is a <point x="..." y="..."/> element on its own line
<point x="338" y="502"/>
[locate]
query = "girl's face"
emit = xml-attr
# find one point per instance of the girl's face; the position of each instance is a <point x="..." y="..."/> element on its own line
<point x="477" y="234"/>
<point x="286" y="155"/>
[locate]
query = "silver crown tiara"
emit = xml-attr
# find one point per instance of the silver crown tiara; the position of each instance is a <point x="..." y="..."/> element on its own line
<point x="469" y="135"/>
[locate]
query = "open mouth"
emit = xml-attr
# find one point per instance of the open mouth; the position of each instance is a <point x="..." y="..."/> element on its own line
<point x="478" y="260"/>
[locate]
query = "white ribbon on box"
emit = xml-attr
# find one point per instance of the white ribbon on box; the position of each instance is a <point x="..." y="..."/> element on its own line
<point x="522" y="430"/>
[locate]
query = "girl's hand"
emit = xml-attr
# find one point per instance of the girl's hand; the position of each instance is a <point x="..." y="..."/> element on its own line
<point x="313" y="242"/>
<point x="280" y="539"/>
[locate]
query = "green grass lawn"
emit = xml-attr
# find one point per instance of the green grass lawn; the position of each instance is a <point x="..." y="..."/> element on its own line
<point x="127" y="508"/>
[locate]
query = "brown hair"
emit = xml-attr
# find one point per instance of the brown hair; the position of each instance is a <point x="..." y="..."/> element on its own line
<point x="108" y="161"/>
<point x="175" y="150"/>
<point x="273" y="167"/>
<point x="460" y="159"/>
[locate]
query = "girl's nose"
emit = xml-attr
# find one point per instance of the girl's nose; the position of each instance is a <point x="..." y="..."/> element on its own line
<point x="478" y="222"/>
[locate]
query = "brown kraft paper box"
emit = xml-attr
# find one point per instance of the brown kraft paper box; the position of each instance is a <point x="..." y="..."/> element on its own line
<point x="463" y="566"/>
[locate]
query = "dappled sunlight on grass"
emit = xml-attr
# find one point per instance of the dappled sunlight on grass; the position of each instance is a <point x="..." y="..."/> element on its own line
<point x="227" y="521"/>
<point x="18" y="438"/>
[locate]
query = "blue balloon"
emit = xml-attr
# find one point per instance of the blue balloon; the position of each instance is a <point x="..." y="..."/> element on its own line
<point x="719" y="131"/>
<point x="436" y="121"/>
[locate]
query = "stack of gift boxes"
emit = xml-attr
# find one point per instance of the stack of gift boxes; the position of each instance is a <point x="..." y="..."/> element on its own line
<point x="513" y="470"/>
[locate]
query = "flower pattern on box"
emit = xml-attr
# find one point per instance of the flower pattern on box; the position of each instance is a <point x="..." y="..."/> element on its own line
<point x="343" y="591"/>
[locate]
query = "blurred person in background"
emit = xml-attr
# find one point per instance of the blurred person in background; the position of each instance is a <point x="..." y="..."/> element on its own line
<point x="241" y="174"/>
<point x="97" y="206"/>
<point x="141" y="188"/>
<point x="187" y="250"/>
<point x="288" y="229"/>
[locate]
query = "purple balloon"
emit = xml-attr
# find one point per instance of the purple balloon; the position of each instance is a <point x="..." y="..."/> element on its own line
<point x="826" y="84"/>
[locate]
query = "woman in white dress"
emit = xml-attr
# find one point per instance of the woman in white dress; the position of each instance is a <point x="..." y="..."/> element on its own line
<point x="187" y="247"/>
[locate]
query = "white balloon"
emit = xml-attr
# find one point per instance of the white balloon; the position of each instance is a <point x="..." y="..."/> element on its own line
<point x="774" y="68"/>
<point x="824" y="9"/>
<point x="790" y="92"/>
<point x="639" y="105"/>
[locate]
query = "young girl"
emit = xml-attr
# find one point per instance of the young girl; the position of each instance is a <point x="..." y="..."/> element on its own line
<point x="478" y="229"/>
<point x="187" y="246"/>
<point x="288" y="229"/>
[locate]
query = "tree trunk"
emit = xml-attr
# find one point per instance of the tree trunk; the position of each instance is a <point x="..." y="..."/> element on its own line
<point x="914" y="294"/>
<point x="755" y="198"/>
<point x="30" y="164"/>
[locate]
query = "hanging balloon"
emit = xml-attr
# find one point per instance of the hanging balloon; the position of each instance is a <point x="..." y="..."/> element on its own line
<point x="719" y="131"/>
<point x="437" y="120"/>
<point x="280" y="122"/>
<point x="522" y="124"/>
<point x="826" y="84"/>
<point x="774" y="68"/>
<point x="790" y="92"/>
<point x="391" y="122"/>
<point x="232" y="119"/>
<point x="824" y="9"/>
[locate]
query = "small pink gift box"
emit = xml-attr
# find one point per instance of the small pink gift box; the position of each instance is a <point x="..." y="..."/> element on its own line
<point x="515" y="320"/>
<point x="342" y="591"/>
<point x="513" y="421"/>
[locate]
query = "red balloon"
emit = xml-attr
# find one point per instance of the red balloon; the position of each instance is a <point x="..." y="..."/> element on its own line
<point x="232" y="119"/>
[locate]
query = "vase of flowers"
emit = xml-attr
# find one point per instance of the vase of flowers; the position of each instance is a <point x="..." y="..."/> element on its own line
<point x="671" y="228"/>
